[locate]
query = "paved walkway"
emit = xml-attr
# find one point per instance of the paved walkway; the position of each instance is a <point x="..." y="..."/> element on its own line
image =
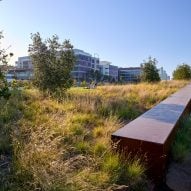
<point x="179" y="175"/>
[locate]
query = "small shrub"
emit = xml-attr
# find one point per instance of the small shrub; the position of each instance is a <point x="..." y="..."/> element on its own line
<point x="100" y="149"/>
<point x="82" y="147"/>
<point x="111" y="163"/>
<point x="98" y="179"/>
<point x="83" y="84"/>
<point x="77" y="129"/>
<point x="127" y="112"/>
<point x="135" y="169"/>
<point x="52" y="72"/>
<point x="104" y="110"/>
<point x="85" y="119"/>
<point x="98" y="132"/>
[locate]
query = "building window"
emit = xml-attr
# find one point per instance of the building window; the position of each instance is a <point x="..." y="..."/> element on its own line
<point x="25" y="64"/>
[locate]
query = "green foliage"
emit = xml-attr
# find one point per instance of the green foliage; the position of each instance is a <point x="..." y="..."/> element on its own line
<point x="82" y="147"/>
<point x="150" y="71"/>
<point x="135" y="169"/>
<point x="83" y="84"/>
<point x="182" y="144"/>
<point x="100" y="149"/>
<point x="8" y="114"/>
<point x="67" y="145"/>
<point x="4" y="90"/>
<point x="53" y="63"/>
<point x="111" y="163"/>
<point x="22" y="84"/>
<point x="94" y="75"/>
<point x="98" y="132"/>
<point x="182" y="72"/>
<point x="125" y="171"/>
<point x="121" y="108"/>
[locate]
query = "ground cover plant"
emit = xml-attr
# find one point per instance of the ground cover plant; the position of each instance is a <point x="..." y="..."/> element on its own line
<point x="50" y="145"/>
<point x="182" y="144"/>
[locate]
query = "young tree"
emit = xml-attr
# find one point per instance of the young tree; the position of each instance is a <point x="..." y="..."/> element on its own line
<point x="182" y="72"/>
<point x="150" y="71"/>
<point x="94" y="75"/>
<point x="53" y="63"/>
<point x="4" y="57"/>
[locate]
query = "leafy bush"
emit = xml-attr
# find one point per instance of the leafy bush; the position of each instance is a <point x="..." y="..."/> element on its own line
<point x="182" y="72"/>
<point x="150" y="71"/>
<point x="4" y="90"/>
<point x="53" y="63"/>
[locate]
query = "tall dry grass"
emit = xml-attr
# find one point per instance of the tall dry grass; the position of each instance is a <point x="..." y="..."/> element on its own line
<point x="66" y="145"/>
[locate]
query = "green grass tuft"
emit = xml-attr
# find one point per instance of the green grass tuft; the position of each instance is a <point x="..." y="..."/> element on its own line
<point x="182" y="144"/>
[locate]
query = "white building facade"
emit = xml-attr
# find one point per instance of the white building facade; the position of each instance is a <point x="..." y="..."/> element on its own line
<point x="23" y="69"/>
<point x="24" y="62"/>
<point x="107" y="69"/>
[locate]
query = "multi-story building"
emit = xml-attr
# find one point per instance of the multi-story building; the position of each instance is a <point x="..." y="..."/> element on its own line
<point x="23" y="69"/>
<point x="24" y="62"/>
<point x="85" y="62"/>
<point x="163" y="75"/>
<point x="129" y="75"/>
<point x="111" y="71"/>
<point x="20" y="74"/>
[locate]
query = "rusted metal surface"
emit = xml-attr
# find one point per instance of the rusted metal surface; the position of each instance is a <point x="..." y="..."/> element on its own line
<point x="152" y="133"/>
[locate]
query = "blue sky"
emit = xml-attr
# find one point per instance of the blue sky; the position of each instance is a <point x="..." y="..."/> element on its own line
<point x="124" y="32"/>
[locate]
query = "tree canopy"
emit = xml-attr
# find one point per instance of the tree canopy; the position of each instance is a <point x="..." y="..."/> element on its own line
<point x="4" y="57"/>
<point x="150" y="71"/>
<point x="182" y="72"/>
<point x="53" y="62"/>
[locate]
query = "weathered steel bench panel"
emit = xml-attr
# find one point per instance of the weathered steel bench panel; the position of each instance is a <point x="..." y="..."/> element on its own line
<point x="152" y="133"/>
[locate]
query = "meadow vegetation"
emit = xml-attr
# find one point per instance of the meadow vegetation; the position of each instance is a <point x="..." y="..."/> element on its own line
<point x="182" y="144"/>
<point x="65" y="145"/>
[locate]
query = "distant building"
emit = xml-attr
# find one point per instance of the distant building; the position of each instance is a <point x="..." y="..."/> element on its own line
<point x="163" y="75"/>
<point x="23" y="70"/>
<point x="108" y="70"/>
<point x="85" y="62"/>
<point x="129" y="75"/>
<point x="5" y="70"/>
<point x="24" y="62"/>
<point x="20" y="74"/>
